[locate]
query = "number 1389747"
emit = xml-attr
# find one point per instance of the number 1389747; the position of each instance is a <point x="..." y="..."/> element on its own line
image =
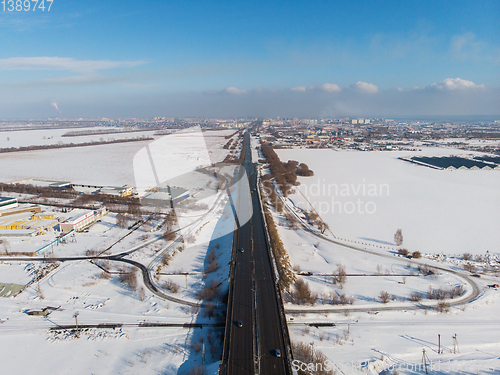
<point x="26" y="5"/>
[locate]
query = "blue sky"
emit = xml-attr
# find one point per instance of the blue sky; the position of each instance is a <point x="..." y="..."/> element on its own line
<point x="250" y="58"/>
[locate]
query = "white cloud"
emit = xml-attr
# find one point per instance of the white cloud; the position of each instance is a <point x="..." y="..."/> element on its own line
<point x="235" y="90"/>
<point x="327" y="87"/>
<point x="63" y="63"/>
<point x="455" y="84"/>
<point x="330" y="87"/>
<point x="365" y="87"/>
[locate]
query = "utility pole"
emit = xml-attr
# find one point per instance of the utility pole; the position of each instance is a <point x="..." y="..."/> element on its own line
<point x="455" y="344"/>
<point x="75" y="315"/>
<point x="425" y="359"/>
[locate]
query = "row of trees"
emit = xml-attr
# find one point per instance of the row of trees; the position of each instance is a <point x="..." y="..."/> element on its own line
<point x="66" y="145"/>
<point x="79" y="133"/>
<point x="285" y="273"/>
<point x="285" y="174"/>
<point x="68" y="193"/>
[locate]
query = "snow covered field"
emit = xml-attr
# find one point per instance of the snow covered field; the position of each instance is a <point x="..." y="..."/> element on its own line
<point x="369" y="336"/>
<point x="77" y="287"/>
<point x="92" y="165"/>
<point x="368" y="195"/>
<point x="81" y="287"/>
<point x="54" y="136"/>
<point x="205" y="223"/>
<point x="392" y="341"/>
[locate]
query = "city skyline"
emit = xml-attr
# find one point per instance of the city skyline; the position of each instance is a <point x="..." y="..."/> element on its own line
<point x="227" y="59"/>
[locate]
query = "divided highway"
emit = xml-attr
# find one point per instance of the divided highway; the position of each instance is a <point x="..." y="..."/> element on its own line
<point x="256" y="335"/>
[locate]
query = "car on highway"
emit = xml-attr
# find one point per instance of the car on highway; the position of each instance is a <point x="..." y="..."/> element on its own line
<point x="277" y="353"/>
<point x="242" y="250"/>
<point x="239" y="323"/>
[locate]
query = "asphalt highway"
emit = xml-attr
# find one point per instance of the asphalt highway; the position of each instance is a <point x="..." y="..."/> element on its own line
<point x="256" y="335"/>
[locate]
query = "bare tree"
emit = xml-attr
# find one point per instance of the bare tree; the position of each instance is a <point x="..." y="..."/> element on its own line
<point x="169" y="236"/>
<point x="142" y="293"/>
<point x="415" y="297"/>
<point x="340" y="275"/>
<point x="384" y="297"/>
<point x="5" y="245"/>
<point x="122" y="220"/>
<point x="322" y="226"/>
<point x="398" y="237"/>
<point x="467" y="256"/>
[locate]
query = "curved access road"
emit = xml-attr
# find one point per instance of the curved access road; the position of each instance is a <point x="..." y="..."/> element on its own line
<point x="468" y="297"/>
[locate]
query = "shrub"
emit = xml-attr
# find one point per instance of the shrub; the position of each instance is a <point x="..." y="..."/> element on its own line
<point x="436" y="293"/>
<point x="213" y="262"/>
<point x="416" y="255"/>
<point x="209" y="292"/>
<point x="443" y="307"/>
<point x="301" y="293"/>
<point x="384" y="297"/>
<point x="306" y="354"/>
<point x="456" y="291"/>
<point x="467" y="256"/>
<point x="469" y="267"/>
<point x="129" y="278"/>
<point x="415" y="297"/>
<point x="169" y="235"/>
<point x="425" y="270"/>
<point x="403" y="252"/>
<point x="105" y="275"/>
<point x="344" y="300"/>
<point x="166" y="259"/>
<point x="171" y="286"/>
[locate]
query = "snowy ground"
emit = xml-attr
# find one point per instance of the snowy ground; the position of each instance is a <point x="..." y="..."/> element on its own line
<point x="368" y="195"/>
<point x="79" y="286"/>
<point x="368" y="343"/>
<point x="420" y="200"/>
<point x="82" y="287"/>
<point x="91" y="165"/>
<point x="54" y="136"/>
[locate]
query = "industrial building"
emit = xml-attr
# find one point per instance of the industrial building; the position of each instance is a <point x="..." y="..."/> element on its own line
<point x="19" y="233"/>
<point x="121" y="191"/>
<point x="81" y="219"/>
<point x="17" y="211"/>
<point x="7" y="203"/>
<point x="25" y="220"/>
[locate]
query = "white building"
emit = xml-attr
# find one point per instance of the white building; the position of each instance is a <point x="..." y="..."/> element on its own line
<point x="79" y="220"/>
